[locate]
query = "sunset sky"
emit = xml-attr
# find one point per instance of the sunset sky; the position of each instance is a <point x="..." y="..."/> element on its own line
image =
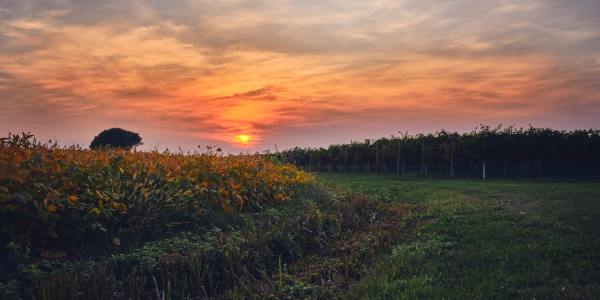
<point x="298" y="72"/>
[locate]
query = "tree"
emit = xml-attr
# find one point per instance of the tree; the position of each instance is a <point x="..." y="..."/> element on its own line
<point x="116" y="138"/>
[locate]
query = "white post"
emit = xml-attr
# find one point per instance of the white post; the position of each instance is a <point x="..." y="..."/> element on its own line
<point x="483" y="167"/>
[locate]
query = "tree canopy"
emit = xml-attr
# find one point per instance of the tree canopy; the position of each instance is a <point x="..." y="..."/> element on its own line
<point x="116" y="138"/>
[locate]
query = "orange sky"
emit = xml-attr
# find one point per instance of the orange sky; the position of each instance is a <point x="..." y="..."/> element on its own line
<point x="305" y="73"/>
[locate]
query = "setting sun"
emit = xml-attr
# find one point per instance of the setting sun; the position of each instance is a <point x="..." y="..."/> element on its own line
<point x="242" y="138"/>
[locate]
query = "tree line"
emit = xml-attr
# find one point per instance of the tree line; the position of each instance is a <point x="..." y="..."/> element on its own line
<point x="484" y="152"/>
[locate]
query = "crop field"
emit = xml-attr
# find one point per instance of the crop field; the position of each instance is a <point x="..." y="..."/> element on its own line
<point x="115" y="224"/>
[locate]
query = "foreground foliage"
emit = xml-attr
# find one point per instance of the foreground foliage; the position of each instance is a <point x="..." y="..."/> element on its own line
<point x="54" y="198"/>
<point x="80" y="224"/>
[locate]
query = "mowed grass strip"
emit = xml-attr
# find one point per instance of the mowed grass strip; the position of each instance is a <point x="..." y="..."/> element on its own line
<point x="496" y="239"/>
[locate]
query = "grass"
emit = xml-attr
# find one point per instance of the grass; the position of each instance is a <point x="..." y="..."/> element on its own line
<point x="313" y="246"/>
<point x="496" y="239"/>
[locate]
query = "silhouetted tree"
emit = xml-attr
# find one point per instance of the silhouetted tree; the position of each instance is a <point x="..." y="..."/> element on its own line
<point x="116" y="138"/>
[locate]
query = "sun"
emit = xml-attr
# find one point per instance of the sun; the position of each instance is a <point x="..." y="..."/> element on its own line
<point x="242" y="138"/>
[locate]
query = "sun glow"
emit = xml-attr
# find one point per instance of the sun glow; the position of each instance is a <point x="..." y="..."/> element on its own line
<point x="243" y="139"/>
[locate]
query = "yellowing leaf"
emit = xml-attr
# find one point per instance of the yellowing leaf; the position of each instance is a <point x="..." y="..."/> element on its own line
<point x="72" y="199"/>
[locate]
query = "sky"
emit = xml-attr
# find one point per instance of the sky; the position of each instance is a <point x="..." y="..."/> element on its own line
<point x="184" y="73"/>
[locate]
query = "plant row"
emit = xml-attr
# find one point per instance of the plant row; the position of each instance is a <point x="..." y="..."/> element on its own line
<point x="70" y="202"/>
<point x="488" y="151"/>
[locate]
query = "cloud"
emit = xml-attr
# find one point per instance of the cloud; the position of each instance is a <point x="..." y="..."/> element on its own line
<point x="200" y="71"/>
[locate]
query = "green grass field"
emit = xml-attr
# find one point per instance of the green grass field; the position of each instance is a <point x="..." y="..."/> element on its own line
<point x="488" y="239"/>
